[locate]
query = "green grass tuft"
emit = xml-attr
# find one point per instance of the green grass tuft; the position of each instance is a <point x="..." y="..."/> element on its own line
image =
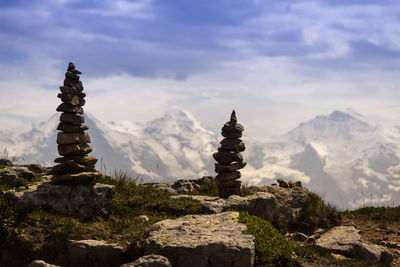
<point x="317" y="214"/>
<point x="377" y="213"/>
<point x="271" y="247"/>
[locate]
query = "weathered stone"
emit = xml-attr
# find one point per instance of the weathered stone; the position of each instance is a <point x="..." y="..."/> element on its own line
<point x="66" y="107"/>
<point x="82" y="178"/>
<point x="11" y="175"/>
<point x="72" y="99"/>
<point x="72" y="118"/>
<point x="81" y="94"/>
<point x="228" y="189"/>
<point x="71" y="83"/>
<point x="282" y="183"/>
<point x="229" y="168"/>
<point x="184" y="185"/>
<point x="92" y="253"/>
<point x="6" y="162"/>
<point x="85" y="160"/>
<point x="72" y="138"/>
<point x="40" y="263"/>
<point x="346" y="241"/>
<point x="72" y="166"/>
<point x="72" y="76"/>
<point x="69" y="90"/>
<point x="71" y="128"/>
<point x="149" y="261"/>
<point x="74" y="150"/>
<point x="231" y="135"/>
<point x="232" y="128"/>
<point x="226" y="158"/>
<point x="227" y="176"/>
<point x="79" y="201"/>
<point x="206" y="240"/>
<point x="234" y="145"/>
<point x="9" y="178"/>
<point x="35" y="168"/>
<point x="143" y="218"/>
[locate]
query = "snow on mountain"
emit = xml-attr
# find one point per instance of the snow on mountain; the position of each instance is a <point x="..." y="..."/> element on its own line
<point x="340" y="156"/>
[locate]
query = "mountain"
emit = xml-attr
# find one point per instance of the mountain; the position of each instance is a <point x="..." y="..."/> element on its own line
<point x="341" y="156"/>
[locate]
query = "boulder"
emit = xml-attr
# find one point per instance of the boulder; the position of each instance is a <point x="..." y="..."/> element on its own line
<point x="203" y="240"/>
<point x="91" y="253"/>
<point x="40" y="263"/>
<point x="149" y="261"/>
<point x="79" y="201"/>
<point x="346" y="241"/>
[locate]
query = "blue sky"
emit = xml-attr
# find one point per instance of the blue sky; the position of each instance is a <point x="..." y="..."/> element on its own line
<point x="276" y="62"/>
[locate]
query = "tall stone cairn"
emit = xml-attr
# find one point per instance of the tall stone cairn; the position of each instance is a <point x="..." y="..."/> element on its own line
<point x="75" y="166"/>
<point x="229" y="159"/>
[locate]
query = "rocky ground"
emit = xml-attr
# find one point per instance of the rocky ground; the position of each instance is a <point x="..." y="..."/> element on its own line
<point x="118" y="221"/>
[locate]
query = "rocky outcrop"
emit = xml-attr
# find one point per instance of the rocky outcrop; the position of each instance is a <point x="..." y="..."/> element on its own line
<point x="82" y="201"/>
<point x="75" y="167"/>
<point x="149" y="261"/>
<point x="229" y="160"/>
<point x="203" y="240"/>
<point x="346" y="241"/>
<point x="183" y="186"/>
<point x="266" y="203"/>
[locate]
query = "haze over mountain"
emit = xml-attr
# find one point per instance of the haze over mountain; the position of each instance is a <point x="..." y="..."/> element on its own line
<point x="341" y="155"/>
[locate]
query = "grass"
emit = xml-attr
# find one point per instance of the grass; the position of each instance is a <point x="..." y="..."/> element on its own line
<point x="390" y="214"/>
<point x="317" y="214"/>
<point x="271" y="247"/>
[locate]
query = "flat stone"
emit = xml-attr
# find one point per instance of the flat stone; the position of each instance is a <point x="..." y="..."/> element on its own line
<point x="72" y="76"/>
<point x="206" y="240"/>
<point x="235" y="145"/>
<point x="72" y="138"/>
<point x="229" y="168"/>
<point x="72" y="99"/>
<point x="92" y="253"/>
<point x="72" y="118"/>
<point x="149" y="261"/>
<point x="69" y="90"/>
<point x="71" y="128"/>
<point x="82" y="178"/>
<point x="231" y="135"/>
<point x="85" y="160"/>
<point x="226" y="158"/>
<point x="66" y="107"/>
<point x="82" y="201"/>
<point x="74" y="150"/>
<point x="346" y="241"/>
<point x="72" y="166"/>
<point x="228" y="176"/>
<point x="71" y="83"/>
<point x="230" y="127"/>
<point x="40" y="263"/>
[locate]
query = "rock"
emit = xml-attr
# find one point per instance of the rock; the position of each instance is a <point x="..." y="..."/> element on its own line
<point x="36" y="168"/>
<point x="150" y="261"/>
<point x="227" y="176"/>
<point x="9" y="178"/>
<point x="72" y="138"/>
<point x="40" y="263"/>
<point x="339" y="257"/>
<point x="184" y="186"/>
<point x="346" y="241"/>
<point x="229" y="168"/>
<point x="206" y="240"/>
<point x="74" y="150"/>
<point x="69" y="108"/>
<point x="235" y="145"/>
<point x="143" y="218"/>
<point x="299" y="237"/>
<point x="92" y="253"/>
<point x="72" y="166"/>
<point x="282" y="183"/>
<point x="79" y="201"/>
<point x="84" y="178"/>
<point x="72" y="118"/>
<point x="226" y="158"/>
<point x="6" y="162"/>
<point x="69" y="90"/>
<point x="85" y="160"/>
<point x="72" y="99"/>
<point x="71" y="128"/>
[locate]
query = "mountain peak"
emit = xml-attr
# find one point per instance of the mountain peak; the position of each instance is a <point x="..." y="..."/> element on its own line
<point x="338" y="115"/>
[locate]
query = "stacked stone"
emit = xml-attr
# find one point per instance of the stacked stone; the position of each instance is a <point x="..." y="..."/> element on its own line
<point x="75" y="166"/>
<point x="229" y="159"/>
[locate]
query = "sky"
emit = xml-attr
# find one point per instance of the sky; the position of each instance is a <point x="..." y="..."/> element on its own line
<point x="277" y="63"/>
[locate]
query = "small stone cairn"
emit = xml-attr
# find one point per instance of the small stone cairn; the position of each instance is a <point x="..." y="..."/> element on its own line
<point x="229" y="159"/>
<point x="75" y="166"/>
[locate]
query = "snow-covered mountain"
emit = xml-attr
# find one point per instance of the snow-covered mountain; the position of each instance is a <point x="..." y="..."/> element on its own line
<point x="341" y="156"/>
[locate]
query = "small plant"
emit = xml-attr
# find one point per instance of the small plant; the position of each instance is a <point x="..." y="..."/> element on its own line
<point x="271" y="247"/>
<point x="7" y="222"/>
<point x="317" y="214"/>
